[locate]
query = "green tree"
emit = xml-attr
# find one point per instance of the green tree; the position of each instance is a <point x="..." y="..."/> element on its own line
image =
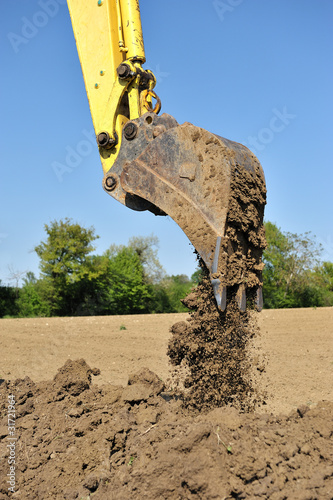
<point x="197" y="276"/>
<point x="66" y="264"/>
<point x="8" y="305"/>
<point x="146" y="248"/>
<point x="176" y="288"/>
<point x="160" y="299"/>
<point x="32" y="301"/>
<point x="322" y="277"/>
<point x="124" y="289"/>
<point x="289" y="263"/>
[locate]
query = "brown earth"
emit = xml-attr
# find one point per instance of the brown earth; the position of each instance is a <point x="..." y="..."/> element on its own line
<point x="212" y="349"/>
<point x="101" y="439"/>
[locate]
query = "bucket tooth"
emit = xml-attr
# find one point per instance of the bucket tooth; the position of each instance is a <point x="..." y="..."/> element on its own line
<point x="220" y="293"/>
<point x="224" y="298"/>
<point x="241" y="298"/>
<point x="259" y="299"/>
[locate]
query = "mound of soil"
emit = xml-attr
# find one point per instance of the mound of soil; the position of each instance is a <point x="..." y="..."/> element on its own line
<point x="79" y="440"/>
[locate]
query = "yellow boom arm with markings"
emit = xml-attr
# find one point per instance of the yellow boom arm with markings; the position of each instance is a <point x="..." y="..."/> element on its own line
<point x="212" y="187"/>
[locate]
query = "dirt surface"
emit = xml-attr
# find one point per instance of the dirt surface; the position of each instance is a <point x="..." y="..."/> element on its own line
<point x="297" y="345"/>
<point x="87" y="435"/>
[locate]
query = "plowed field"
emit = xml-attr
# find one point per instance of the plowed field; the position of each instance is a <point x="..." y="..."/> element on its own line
<point x="80" y="434"/>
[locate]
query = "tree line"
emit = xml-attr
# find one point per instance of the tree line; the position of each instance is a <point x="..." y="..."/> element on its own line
<point x="73" y="281"/>
<point x="129" y="279"/>
<point x="294" y="275"/>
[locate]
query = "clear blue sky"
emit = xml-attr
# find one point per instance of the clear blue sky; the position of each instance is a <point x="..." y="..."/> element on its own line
<point x="233" y="67"/>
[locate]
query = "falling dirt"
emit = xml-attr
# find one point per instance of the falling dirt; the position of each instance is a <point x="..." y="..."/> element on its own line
<point x="213" y="348"/>
<point x="77" y="440"/>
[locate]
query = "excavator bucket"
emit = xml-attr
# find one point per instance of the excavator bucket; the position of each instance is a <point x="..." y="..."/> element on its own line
<point x="213" y="188"/>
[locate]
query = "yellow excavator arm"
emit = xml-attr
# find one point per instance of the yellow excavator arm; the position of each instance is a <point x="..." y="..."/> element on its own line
<point x="110" y="44"/>
<point x="213" y="188"/>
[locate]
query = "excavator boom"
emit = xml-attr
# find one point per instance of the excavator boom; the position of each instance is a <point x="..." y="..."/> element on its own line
<point x="110" y="45"/>
<point x="213" y="188"/>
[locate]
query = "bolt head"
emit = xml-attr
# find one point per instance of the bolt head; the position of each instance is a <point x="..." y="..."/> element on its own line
<point x="110" y="182"/>
<point x="130" y="131"/>
<point x="123" y="71"/>
<point x="105" y="141"/>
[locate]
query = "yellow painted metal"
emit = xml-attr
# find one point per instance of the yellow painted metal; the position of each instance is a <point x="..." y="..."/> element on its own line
<point x="108" y="33"/>
<point x="132" y="29"/>
<point x="134" y="99"/>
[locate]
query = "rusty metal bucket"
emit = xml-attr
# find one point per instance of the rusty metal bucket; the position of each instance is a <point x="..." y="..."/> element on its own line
<point x="213" y="188"/>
